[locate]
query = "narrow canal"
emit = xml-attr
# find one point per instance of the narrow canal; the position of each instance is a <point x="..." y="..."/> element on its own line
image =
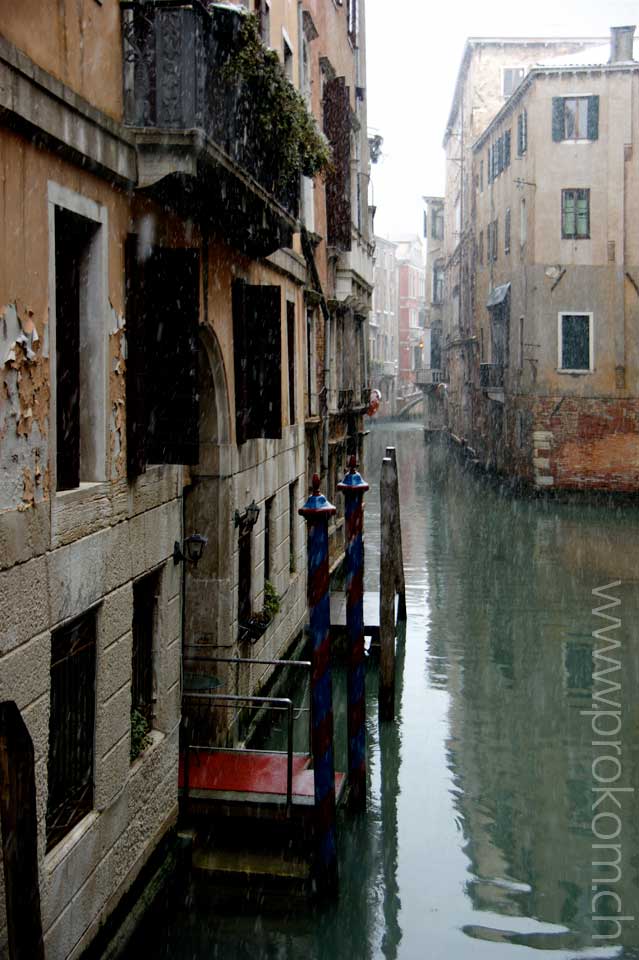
<point x="480" y="838"/>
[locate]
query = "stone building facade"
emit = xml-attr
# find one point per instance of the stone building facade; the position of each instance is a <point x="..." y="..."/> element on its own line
<point x="414" y="342"/>
<point x="556" y="276"/>
<point x="384" y="326"/>
<point x="161" y="355"/>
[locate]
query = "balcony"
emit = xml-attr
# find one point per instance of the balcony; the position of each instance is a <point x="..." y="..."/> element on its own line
<point x="199" y="123"/>
<point x="428" y="377"/>
<point x="491" y="380"/>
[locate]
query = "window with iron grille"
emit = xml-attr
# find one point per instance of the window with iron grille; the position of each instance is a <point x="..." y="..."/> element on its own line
<point x="145" y="593"/>
<point x="575" y="342"/>
<point x="575" y="214"/>
<point x="71" y="726"/>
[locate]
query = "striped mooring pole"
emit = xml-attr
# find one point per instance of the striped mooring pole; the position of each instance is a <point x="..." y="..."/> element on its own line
<point x="316" y="511"/>
<point x="354" y="487"/>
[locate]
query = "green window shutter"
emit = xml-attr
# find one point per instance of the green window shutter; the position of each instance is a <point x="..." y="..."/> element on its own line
<point x="524" y="131"/>
<point x="568" y="220"/>
<point x="593" y="118"/>
<point x="583" y="214"/>
<point x="507" y="149"/>
<point x="558" y="107"/>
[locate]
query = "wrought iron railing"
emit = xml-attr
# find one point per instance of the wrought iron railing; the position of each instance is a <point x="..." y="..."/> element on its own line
<point x="491" y="376"/>
<point x="177" y="77"/>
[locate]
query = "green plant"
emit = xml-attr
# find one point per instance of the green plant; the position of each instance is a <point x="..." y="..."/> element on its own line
<point x="140" y="729"/>
<point x="285" y="127"/>
<point x="271" y="600"/>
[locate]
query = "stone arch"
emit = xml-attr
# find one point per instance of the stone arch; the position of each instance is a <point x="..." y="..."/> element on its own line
<point x="215" y="416"/>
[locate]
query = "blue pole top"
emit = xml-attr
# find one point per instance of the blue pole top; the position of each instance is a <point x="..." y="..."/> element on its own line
<point x="353" y="481"/>
<point x="317" y="504"/>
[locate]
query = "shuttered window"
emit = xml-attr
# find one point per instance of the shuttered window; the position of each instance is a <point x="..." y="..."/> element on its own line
<point x="506" y="149"/>
<point x="257" y="345"/>
<point x="337" y="127"/>
<point x="575" y="118"/>
<point x="575" y="214"/>
<point x="162" y="307"/>
<point x="507" y="231"/>
<point x="71" y="727"/>
<point x="522" y="133"/>
<point x="575" y="341"/>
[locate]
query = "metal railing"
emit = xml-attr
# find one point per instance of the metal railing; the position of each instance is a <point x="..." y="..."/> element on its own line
<point x="231" y="699"/>
<point x="227" y="701"/>
<point x="491" y="376"/>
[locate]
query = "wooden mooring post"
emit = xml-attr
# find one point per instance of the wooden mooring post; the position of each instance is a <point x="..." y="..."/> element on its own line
<point x="316" y="511"/>
<point x="400" y="583"/>
<point x="19" y="836"/>
<point x="354" y="487"/>
<point x="391" y="583"/>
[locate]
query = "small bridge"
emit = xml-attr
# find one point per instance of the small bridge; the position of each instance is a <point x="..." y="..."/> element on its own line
<point x="406" y="404"/>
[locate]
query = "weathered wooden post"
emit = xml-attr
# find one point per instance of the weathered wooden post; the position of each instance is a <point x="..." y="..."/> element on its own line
<point x="316" y="511"/>
<point x="354" y="487"/>
<point x="400" y="584"/>
<point x="387" y="581"/>
<point x="19" y="836"/>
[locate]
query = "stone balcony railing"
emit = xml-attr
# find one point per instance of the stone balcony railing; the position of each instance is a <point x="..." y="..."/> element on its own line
<point x="196" y="122"/>
<point x="427" y="376"/>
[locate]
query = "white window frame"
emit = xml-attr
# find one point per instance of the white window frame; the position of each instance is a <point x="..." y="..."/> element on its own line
<point x="591" y="344"/>
<point x="97" y="310"/>
<point x="507" y="96"/>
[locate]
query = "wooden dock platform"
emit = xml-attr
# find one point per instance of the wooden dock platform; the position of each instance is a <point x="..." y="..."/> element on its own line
<point x="371" y="613"/>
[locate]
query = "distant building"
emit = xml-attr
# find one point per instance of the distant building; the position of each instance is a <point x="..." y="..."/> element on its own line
<point x="413" y="337"/>
<point x="384" y="327"/>
<point x="556" y="281"/>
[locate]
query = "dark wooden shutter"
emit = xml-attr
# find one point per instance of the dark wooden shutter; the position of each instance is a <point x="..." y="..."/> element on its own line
<point x="172" y="332"/>
<point x="162" y="370"/>
<point x="593" y="118"/>
<point x="257" y="345"/>
<point x="558" y="108"/>
<point x="507" y="149"/>
<point x="337" y="127"/>
<point x="136" y="416"/>
<point x="290" y="338"/>
<point x="67" y="320"/>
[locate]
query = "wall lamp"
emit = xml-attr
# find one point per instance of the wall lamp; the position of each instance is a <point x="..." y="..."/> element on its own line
<point x="194" y="547"/>
<point x="248" y="519"/>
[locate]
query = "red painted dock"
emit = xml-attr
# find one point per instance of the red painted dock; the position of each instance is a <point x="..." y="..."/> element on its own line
<point x="248" y="775"/>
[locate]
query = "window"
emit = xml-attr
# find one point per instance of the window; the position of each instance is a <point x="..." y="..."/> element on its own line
<point x="437" y="224"/>
<point x="145" y="593"/>
<point x="575" y="342"/>
<point x="162" y="315"/>
<point x="575" y="118"/>
<point x="575" y="214"/>
<point x="263" y="11"/>
<point x="507" y="139"/>
<point x="521" y="343"/>
<point x="257" y="339"/>
<point x="438" y="283"/>
<point x="507" y="231"/>
<point x="287" y="57"/>
<point x="492" y="241"/>
<point x="481" y="176"/>
<point x="511" y="78"/>
<point x="352" y="21"/>
<point x="292" y="526"/>
<point x="80" y="379"/>
<point x="523" y="222"/>
<point x="489" y="165"/>
<point x="311" y="371"/>
<point x="522" y="133"/>
<point x="481" y="248"/>
<point x="290" y="343"/>
<point x="244" y="585"/>
<point x="71" y="726"/>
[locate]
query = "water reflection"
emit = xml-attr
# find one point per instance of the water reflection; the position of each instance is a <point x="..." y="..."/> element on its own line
<point x="477" y="841"/>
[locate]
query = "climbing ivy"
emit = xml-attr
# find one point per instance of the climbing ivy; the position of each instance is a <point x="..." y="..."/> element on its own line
<point x="285" y="127"/>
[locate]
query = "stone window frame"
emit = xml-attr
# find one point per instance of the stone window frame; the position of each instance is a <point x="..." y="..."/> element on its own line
<point x="97" y="314"/>
<point x="591" y="345"/>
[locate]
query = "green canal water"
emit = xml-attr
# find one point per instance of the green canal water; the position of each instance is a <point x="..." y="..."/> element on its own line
<point x="480" y="836"/>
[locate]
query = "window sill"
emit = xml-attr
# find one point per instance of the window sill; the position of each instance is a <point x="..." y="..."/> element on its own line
<point x="55" y="856"/>
<point x="156" y="737"/>
<point x="575" y="373"/>
<point x="86" y="491"/>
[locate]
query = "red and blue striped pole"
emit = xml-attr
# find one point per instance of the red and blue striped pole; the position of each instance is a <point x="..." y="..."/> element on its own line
<point x="316" y="511"/>
<point x="354" y="487"/>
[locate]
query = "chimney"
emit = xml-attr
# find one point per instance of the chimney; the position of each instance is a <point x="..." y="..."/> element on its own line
<point x="621" y="44"/>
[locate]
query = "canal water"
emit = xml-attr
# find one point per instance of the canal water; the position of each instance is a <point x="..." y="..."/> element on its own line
<point x="480" y="839"/>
